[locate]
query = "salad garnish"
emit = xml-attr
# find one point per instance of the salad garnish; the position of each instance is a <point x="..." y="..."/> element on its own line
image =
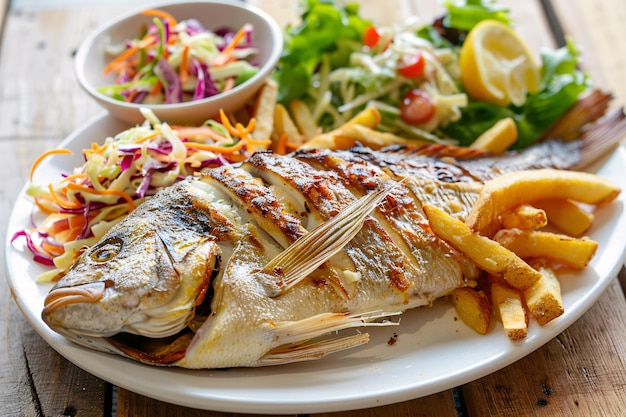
<point x="174" y="61"/>
<point x="338" y="63"/>
<point x="118" y="175"/>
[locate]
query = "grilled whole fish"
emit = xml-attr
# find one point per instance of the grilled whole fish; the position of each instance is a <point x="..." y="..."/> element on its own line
<point x="253" y="264"/>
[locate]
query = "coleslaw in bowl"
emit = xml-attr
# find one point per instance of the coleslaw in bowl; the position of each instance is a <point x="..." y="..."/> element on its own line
<point x="183" y="61"/>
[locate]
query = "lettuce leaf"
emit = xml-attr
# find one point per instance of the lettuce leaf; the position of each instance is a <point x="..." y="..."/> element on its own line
<point x="326" y="28"/>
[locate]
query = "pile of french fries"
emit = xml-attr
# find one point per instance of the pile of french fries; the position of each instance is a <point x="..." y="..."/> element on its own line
<point x="523" y="228"/>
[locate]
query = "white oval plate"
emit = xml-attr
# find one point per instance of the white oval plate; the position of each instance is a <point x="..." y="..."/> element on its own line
<point x="434" y="352"/>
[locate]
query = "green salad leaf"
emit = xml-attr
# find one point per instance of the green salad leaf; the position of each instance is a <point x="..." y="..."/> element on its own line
<point x="465" y="14"/>
<point x="326" y="28"/>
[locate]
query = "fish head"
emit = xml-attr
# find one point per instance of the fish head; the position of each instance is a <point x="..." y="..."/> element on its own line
<point x="141" y="278"/>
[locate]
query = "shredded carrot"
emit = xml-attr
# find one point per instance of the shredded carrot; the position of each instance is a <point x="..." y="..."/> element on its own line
<point x="146" y="41"/>
<point x="121" y="57"/>
<point x="157" y="88"/>
<point x="251" y="144"/>
<point x="52" y="249"/>
<point x="222" y="59"/>
<point x="280" y="147"/>
<point x="131" y="96"/>
<point x="147" y="137"/>
<point x="238" y="157"/>
<point x="95" y="149"/>
<point x="184" y="65"/>
<point x="74" y="177"/>
<point x="215" y="148"/>
<point x="224" y="56"/>
<point x="235" y="40"/>
<point x="229" y="84"/>
<point x="237" y="130"/>
<point x="129" y="199"/>
<point x="199" y="132"/>
<point x="226" y="122"/>
<point x="42" y="207"/>
<point x="64" y="204"/>
<point x="162" y="14"/>
<point x="45" y="155"/>
<point x="250" y="127"/>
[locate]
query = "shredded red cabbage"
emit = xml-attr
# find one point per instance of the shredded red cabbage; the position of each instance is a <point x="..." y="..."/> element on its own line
<point x="170" y="79"/>
<point x="37" y="256"/>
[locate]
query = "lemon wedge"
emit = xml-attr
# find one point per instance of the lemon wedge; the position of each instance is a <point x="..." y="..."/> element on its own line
<point x="497" y="65"/>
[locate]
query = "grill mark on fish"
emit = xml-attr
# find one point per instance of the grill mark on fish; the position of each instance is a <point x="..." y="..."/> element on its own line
<point x="392" y="264"/>
<point x="259" y="201"/>
<point x="401" y="215"/>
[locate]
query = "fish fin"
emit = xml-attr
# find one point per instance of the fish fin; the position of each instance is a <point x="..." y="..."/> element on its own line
<point x="289" y="332"/>
<point x="310" y="251"/>
<point x="602" y="137"/>
<point x="296" y="337"/>
<point x="312" y="350"/>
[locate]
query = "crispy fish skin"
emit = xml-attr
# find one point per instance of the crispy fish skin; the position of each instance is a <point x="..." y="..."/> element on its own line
<point x="208" y="241"/>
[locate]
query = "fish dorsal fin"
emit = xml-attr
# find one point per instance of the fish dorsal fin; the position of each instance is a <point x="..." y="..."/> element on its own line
<point x="310" y="251"/>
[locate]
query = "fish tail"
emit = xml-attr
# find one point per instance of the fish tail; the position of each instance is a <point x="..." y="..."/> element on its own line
<point x="602" y="137"/>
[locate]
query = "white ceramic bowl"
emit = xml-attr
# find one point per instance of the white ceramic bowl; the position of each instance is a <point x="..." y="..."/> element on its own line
<point x="90" y="58"/>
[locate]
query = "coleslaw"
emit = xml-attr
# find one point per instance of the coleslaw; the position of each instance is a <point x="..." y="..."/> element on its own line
<point x="118" y="175"/>
<point x="181" y="61"/>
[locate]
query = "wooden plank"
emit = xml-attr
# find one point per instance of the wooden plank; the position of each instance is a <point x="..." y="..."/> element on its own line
<point x="582" y="372"/>
<point x="436" y="405"/>
<point x="40" y="97"/>
<point x="133" y="405"/>
<point x="598" y="29"/>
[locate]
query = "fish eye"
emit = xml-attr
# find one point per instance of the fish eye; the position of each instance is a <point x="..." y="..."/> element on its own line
<point x="107" y="250"/>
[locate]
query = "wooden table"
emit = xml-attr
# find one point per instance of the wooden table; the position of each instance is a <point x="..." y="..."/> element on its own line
<point x="581" y="372"/>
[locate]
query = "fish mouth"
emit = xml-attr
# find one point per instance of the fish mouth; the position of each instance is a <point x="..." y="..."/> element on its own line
<point x="65" y="296"/>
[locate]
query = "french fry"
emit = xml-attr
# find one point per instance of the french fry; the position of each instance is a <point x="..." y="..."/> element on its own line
<point x="368" y="117"/>
<point x="489" y="255"/>
<point x="283" y="124"/>
<point x="498" y="138"/>
<point x="264" y="111"/>
<point x="518" y="187"/>
<point x="303" y="118"/>
<point x="524" y="216"/>
<point x="509" y="308"/>
<point x="566" y="216"/>
<point x="570" y="251"/>
<point x="349" y="135"/>
<point x="543" y="298"/>
<point x="473" y="308"/>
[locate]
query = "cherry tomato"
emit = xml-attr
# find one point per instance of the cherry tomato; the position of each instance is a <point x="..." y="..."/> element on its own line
<point x="371" y="36"/>
<point x="412" y="66"/>
<point x="416" y="107"/>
